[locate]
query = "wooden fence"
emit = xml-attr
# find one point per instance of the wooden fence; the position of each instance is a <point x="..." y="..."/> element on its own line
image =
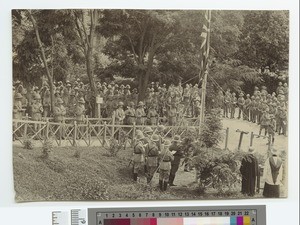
<point x="90" y="132"/>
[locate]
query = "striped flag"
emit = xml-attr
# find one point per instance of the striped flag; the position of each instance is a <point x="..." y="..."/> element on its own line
<point x="205" y="36"/>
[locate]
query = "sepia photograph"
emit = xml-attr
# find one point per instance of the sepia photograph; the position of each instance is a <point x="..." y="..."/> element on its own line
<point x="127" y="104"/>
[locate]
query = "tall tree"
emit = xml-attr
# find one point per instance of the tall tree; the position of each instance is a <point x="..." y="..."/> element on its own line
<point x="136" y="37"/>
<point x="265" y="39"/>
<point x="85" y="26"/>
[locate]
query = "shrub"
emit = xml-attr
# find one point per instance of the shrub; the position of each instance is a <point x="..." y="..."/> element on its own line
<point x="47" y="148"/>
<point x="211" y="129"/>
<point x="28" y="144"/>
<point x="114" y="147"/>
<point x="216" y="169"/>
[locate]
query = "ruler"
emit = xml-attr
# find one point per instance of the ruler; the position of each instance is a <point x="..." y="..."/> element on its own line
<point x="202" y="215"/>
<point x="212" y="215"/>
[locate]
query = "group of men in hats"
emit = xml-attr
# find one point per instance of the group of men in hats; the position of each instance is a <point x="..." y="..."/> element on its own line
<point x="267" y="110"/>
<point x="153" y="153"/>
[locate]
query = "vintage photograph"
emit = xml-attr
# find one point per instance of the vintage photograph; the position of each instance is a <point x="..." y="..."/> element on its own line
<point x="149" y="104"/>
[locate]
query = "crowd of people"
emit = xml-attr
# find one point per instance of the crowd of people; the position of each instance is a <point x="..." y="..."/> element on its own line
<point x="152" y="153"/>
<point x="162" y="103"/>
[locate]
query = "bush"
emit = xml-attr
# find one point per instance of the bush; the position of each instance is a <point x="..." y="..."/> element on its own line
<point x="114" y="147"/>
<point x="28" y="144"/>
<point x="47" y="148"/>
<point x="216" y="169"/>
<point x="211" y="131"/>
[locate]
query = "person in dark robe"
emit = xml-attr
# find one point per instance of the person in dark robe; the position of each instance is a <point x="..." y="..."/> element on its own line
<point x="250" y="173"/>
<point x="273" y="171"/>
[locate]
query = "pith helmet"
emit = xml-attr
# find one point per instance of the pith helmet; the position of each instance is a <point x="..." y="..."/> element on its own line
<point x="139" y="136"/>
<point x="60" y="101"/>
<point x="18" y="96"/>
<point x="155" y="137"/>
<point x="81" y="100"/>
<point x="148" y="130"/>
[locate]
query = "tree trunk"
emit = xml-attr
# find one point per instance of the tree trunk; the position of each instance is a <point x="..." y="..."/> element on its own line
<point x="144" y="79"/>
<point x="50" y="79"/>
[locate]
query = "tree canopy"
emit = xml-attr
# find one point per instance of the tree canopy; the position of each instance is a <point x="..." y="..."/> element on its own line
<point x="148" y="45"/>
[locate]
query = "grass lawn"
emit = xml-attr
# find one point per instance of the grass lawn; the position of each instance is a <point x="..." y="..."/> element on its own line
<point x="93" y="176"/>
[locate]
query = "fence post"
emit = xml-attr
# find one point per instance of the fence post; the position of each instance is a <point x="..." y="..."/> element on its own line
<point x="60" y="132"/>
<point x="26" y="126"/>
<point x="75" y="133"/>
<point x="251" y="139"/>
<point x="88" y="132"/>
<point x="47" y="129"/>
<point x="104" y="134"/>
<point x="133" y="134"/>
<point x="226" y="139"/>
<point x="113" y="125"/>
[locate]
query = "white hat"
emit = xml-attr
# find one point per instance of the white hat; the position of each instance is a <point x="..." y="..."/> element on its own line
<point x="251" y="149"/>
<point x="274" y="151"/>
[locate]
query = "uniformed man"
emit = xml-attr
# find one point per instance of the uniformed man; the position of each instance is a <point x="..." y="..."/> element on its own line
<point x="172" y="115"/>
<point x="264" y="122"/>
<point x="140" y="114"/>
<point x="271" y="129"/>
<point x="151" y="153"/>
<point x="227" y="100"/>
<point x="177" y="152"/>
<point x="17" y="111"/>
<point x="119" y="114"/>
<point x="80" y="115"/>
<point x="152" y="115"/>
<point x="59" y="112"/>
<point x="165" y="158"/>
<point x="233" y="102"/>
<point x="71" y="104"/>
<point x="241" y="103"/>
<point x="130" y="114"/>
<point x="46" y="102"/>
<point x="37" y="110"/>
<point x="247" y="108"/>
<point x="282" y="114"/>
<point x="138" y="157"/>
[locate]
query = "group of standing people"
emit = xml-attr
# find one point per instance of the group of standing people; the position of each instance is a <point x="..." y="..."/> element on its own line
<point x="273" y="174"/>
<point x="152" y="153"/>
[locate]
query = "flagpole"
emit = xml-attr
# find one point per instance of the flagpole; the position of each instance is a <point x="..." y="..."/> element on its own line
<point x="205" y="68"/>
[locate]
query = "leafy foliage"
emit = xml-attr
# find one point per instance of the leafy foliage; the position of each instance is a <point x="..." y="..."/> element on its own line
<point x="211" y="132"/>
<point x="216" y="169"/>
<point x="114" y="148"/>
<point x="28" y="144"/>
<point x="47" y="148"/>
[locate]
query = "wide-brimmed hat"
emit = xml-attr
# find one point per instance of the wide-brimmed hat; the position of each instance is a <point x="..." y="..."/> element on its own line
<point x="121" y="104"/>
<point x="155" y="137"/>
<point x="148" y="130"/>
<point x="59" y="101"/>
<point x="18" y="96"/>
<point x="139" y="136"/>
<point x="167" y="143"/>
<point x="176" y="138"/>
<point x="274" y="151"/>
<point x="81" y="100"/>
<point x="161" y="128"/>
<point x="37" y="97"/>
<point x="141" y="103"/>
<point x="251" y="149"/>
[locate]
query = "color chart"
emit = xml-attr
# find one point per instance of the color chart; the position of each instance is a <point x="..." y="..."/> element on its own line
<point x="222" y="215"/>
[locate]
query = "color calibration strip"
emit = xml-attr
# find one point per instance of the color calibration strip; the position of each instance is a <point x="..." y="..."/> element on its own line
<point x="239" y="220"/>
<point x="196" y="215"/>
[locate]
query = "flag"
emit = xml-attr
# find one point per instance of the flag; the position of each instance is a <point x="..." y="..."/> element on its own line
<point x="205" y="36"/>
